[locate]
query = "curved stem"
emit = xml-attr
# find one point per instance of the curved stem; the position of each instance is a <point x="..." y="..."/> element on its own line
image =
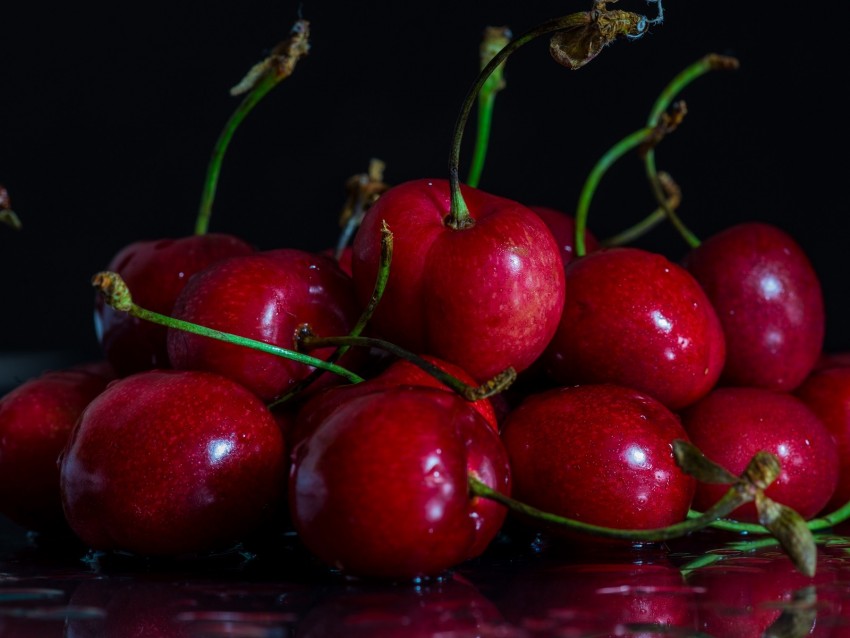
<point x="117" y="295"/>
<point x="816" y="524"/>
<point x="495" y="38"/>
<point x="730" y="501"/>
<point x="707" y="63"/>
<point x="487" y="389"/>
<point x="605" y="162"/>
<point x="459" y="213"/>
<point x="674" y="198"/>
<point x="261" y="79"/>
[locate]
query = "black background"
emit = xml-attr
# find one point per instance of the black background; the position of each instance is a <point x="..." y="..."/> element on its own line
<point x="107" y="120"/>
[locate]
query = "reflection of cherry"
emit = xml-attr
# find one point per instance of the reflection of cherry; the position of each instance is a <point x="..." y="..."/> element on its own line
<point x="442" y="608"/>
<point x="598" y="599"/>
<point x="744" y="596"/>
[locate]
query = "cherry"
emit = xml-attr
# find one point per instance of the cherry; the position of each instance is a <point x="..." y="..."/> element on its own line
<point x="265" y="296"/>
<point x="170" y="463"/>
<point x="36" y="419"/>
<point x="601" y="454"/>
<point x="769" y="300"/>
<point x="563" y="228"/>
<point x="486" y="296"/>
<point x="379" y="490"/>
<point x="156" y="271"/>
<point x="827" y="393"/>
<point x="731" y="424"/>
<point x="634" y="318"/>
<point x="443" y="608"/>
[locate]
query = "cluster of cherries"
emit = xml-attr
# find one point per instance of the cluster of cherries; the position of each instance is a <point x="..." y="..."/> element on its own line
<point x="385" y="401"/>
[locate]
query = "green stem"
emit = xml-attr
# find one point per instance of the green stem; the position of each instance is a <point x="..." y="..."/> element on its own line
<point x="816" y="524"/>
<point x="699" y="68"/>
<point x="117" y="295"/>
<point x="459" y="216"/>
<point x="494" y="39"/>
<point x="214" y="168"/>
<point x="377" y="293"/>
<point x="605" y="162"/>
<point x="261" y="79"/>
<point x="637" y="230"/>
<point x="493" y="386"/>
<point x="730" y="501"/>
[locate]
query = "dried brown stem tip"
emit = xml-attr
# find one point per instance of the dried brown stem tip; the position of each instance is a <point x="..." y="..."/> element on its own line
<point x="281" y="61"/>
<point x="114" y="290"/>
<point x="722" y="62"/>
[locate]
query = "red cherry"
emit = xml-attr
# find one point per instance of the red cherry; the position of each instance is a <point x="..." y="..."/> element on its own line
<point x="156" y="271"/>
<point x="730" y="425"/>
<point x="36" y="419"/>
<point x="265" y="296"/>
<point x="769" y="301"/>
<point x="601" y="454"/>
<point x="563" y="228"/>
<point x="172" y="462"/>
<point x="827" y="394"/>
<point x="634" y="318"/>
<point x="380" y="488"/>
<point x="485" y="297"/>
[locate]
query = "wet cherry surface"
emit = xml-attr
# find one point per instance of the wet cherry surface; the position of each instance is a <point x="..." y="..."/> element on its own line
<point x="525" y="586"/>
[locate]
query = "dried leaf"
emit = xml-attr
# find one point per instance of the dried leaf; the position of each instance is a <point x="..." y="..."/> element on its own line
<point x="695" y="463"/>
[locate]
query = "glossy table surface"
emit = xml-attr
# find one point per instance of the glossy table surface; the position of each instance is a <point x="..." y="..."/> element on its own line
<point x="524" y="586"/>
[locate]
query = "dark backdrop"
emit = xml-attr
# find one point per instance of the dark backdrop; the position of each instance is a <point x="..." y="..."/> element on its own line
<point x="107" y="120"/>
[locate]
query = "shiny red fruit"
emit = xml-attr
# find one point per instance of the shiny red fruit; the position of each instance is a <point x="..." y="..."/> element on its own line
<point x="486" y="297"/>
<point x="172" y="462"/>
<point x="36" y="419"/>
<point x="769" y="300"/>
<point x="563" y="228"/>
<point x="601" y="454"/>
<point x="380" y="489"/>
<point x="827" y="394"/>
<point x="634" y="318"/>
<point x="266" y="297"/>
<point x="155" y="271"/>
<point x="730" y="425"/>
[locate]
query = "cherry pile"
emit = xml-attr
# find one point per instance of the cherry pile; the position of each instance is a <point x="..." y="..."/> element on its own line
<point x="392" y="398"/>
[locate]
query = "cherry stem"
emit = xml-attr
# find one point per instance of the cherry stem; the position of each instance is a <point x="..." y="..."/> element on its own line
<point x="363" y="191"/>
<point x="649" y="222"/>
<point x="815" y="524"/>
<point x="259" y="81"/>
<point x="495" y="38"/>
<point x="707" y="63"/>
<point x="377" y="293"/>
<point x="117" y="295"/>
<point x="487" y="389"/>
<point x="459" y="216"/>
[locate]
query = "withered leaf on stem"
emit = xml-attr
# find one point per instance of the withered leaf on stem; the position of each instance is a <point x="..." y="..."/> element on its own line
<point x="576" y="46"/>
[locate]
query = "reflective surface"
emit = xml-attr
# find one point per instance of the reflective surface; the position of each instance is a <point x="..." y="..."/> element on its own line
<point x="525" y="586"/>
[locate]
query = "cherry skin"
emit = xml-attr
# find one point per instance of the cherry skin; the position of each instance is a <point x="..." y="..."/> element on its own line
<point x="265" y="296"/>
<point x="563" y="228"/>
<point x="172" y="463"/>
<point x="485" y="297"/>
<point x="827" y="394"/>
<point x="36" y="419"/>
<point x="379" y="490"/>
<point x="634" y="318"/>
<point x="155" y="271"/>
<point x="601" y="454"/>
<point x="769" y="301"/>
<point x="730" y="425"/>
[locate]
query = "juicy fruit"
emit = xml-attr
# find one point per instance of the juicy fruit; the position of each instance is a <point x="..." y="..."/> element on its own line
<point x="758" y="419"/>
<point x="769" y="301"/>
<point x="172" y="462"/>
<point x="390" y="469"/>
<point x="634" y="318"/>
<point x="486" y="298"/>
<point x="601" y="454"/>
